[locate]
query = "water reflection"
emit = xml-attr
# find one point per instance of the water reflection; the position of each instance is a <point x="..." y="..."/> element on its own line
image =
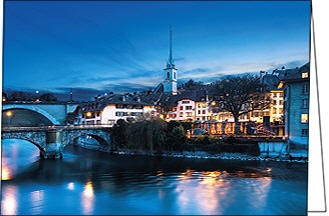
<point x="37" y="201"/>
<point x="91" y="182"/>
<point x="204" y="192"/>
<point x="6" y="171"/>
<point x="70" y="186"/>
<point x="16" y="156"/>
<point x="9" y="200"/>
<point x="87" y="199"/>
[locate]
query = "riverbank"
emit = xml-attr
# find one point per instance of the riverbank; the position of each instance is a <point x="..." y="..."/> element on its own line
<point x="206" y="155"/>
<point x="295" y="156"/>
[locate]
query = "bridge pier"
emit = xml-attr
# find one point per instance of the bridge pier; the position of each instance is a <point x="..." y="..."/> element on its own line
<point x="54" y="146"/>
<point x="51" y="155"/>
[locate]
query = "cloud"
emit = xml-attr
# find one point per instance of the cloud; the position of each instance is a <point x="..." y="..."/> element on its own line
<point x="79" y="94"/>
<point x="201" y="74"/>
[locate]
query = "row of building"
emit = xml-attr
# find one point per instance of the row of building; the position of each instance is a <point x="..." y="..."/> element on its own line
<point x="287" y="115"/>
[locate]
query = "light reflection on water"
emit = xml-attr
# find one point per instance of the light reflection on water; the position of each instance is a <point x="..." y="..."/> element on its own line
<point x="16" y="156"/>
<point x="87" y="198"/>
<point x="9" y="200"/>
<point x="88" y="182"/>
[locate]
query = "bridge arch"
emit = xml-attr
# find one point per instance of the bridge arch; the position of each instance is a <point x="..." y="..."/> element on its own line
<point x="34" y="138"/>
<point x="100" y="136"/>
<point x="32" y="108"/>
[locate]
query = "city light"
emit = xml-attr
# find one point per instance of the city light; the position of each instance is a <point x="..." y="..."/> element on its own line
<point x="9" y="113"/>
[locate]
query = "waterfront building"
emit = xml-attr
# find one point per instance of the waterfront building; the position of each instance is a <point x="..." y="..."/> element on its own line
<point x="108" y="109"/>
<point x="268" y="120"/>
<point x="187" y="106"/>
<point x="296" y="85"/>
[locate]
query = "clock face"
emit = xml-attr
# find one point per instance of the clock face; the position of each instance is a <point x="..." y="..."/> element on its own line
<point x="167" y="81"/>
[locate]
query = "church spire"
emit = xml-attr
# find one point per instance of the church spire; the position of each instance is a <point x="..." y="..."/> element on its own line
<point x="170" y="63"/>
<point x="170" y="82"/>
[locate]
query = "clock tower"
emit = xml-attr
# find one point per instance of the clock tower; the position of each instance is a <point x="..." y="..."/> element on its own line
<point x="170" y="82"/>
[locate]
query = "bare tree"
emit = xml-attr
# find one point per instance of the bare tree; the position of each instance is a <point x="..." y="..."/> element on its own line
<point x="240" y="95"/>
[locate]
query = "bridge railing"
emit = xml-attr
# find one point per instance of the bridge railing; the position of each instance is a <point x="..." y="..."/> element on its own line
<point x="52" y="127"/>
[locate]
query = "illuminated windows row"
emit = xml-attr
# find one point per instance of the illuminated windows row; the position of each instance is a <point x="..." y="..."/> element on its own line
<point x="128" y="114"/>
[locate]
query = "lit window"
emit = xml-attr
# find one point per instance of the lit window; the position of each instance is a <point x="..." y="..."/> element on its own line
<point x="280" y="111"/>
<point x="305" y="75"/>
<point x="280" y="85"/>
<point x="304" y="118"/>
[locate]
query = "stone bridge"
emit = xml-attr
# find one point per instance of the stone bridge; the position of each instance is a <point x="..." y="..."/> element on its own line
<point x="55" y="112"/>
<point x="51" y="141"/>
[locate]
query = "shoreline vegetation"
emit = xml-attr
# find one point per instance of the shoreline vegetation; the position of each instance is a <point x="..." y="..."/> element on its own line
<point x="155" y="137"/>
<point x="207" y="155"/>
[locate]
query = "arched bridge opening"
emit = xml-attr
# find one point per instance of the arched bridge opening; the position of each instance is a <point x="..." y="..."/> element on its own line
<point x="19" y="117"/>
<point x="28" y="141"/>
<point x="89" y="140"/>
<point x="52" y="140"/>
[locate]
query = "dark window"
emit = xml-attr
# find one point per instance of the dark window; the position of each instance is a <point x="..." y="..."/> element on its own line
<point x="120" y="106"/>
<point x="304" y="103"/>
<point x="304" y="132"/>
<point x="305" y="89"/>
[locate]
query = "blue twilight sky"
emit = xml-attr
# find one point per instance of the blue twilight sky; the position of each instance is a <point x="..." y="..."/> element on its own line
<point x="95" y="47"/>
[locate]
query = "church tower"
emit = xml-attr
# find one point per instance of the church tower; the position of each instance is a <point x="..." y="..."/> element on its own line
<point x="170" y="82"/>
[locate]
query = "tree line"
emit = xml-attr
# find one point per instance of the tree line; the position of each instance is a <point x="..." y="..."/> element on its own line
<point x="28" y="96"/>
<point x="158" y="135"/>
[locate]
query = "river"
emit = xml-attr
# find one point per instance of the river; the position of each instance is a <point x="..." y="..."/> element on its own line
<point x="90" y="182"/>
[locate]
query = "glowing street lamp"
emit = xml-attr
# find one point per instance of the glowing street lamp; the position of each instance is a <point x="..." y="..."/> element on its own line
<point x="37" y="99"/>
<point x="9" y="114"/>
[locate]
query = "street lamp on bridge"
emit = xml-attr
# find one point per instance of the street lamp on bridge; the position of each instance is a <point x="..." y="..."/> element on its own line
<point x="9" y="114"/>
